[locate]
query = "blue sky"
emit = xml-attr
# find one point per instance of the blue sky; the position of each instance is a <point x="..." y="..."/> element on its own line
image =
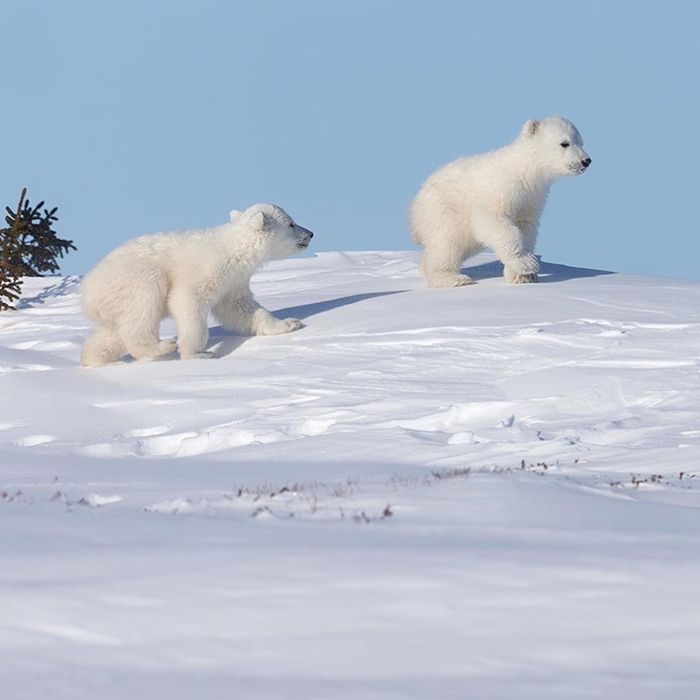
<point x="135" y="117"/>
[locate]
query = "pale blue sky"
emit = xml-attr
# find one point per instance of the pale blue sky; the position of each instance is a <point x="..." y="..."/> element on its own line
<point x="134" y="117"/>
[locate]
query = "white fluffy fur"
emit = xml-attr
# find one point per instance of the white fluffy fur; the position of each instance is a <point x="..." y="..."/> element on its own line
<point x="493" y="200"/>
<point x="185" y="275"/>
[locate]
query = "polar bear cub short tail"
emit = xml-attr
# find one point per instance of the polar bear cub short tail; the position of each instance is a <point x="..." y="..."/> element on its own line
<point x="493" y="200"/>
<point x="186" y="275"/>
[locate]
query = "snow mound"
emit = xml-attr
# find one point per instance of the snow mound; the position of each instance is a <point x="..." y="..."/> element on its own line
<point x="489" y="491"/>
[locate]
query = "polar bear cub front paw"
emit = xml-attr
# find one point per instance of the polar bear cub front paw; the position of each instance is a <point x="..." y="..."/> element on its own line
<point x="278" y="326"/>
<point x="522" y="269"/>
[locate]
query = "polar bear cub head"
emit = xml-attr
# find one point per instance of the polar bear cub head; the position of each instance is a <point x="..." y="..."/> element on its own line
<point x="273" y="229"/>
<point x="558" y="145"/>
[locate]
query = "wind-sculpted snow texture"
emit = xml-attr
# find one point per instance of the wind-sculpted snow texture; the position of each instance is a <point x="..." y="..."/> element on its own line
<point x="485" y="492"/>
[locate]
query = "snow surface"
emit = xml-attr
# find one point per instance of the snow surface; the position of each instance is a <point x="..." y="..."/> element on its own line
<point x="485" y="492"/>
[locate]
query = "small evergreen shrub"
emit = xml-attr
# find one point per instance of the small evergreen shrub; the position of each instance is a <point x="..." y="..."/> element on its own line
<point x="29" y="247"/>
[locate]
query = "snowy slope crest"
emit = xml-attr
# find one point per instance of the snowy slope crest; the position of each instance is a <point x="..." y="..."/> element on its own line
<point x="499" y="483"/>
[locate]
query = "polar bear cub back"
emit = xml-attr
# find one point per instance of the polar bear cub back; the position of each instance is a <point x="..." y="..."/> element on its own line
<point x="493" y="200"/>
<point x="185" y="275"/>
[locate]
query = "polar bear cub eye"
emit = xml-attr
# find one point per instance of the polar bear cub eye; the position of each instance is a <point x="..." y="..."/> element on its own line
<point x="291" y="224"/>
<point x="564" y="144"/>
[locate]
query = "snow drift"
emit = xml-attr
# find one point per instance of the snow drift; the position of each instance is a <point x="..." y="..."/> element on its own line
<point x="478" y="492"/>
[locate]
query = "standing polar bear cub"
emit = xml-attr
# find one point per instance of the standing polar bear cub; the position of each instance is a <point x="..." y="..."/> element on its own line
<point x="493" y="200"/>
<point x="185" y="275"/>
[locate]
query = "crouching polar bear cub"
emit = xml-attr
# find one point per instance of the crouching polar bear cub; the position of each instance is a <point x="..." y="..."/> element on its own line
<point x="493" y="200"/>
<point x="186" y="274"/>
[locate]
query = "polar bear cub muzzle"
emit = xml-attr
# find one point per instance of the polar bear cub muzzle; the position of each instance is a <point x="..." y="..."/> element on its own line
<point x="304" y="236"/>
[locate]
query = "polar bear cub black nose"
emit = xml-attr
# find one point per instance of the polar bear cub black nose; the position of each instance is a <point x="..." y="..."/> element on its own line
<point x="586" y="162"/>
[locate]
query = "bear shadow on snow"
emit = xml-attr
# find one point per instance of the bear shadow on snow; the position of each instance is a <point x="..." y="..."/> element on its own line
<point x="549" y="272"/>
<point x="306" y="310"/>
<point x="223" y="342"/>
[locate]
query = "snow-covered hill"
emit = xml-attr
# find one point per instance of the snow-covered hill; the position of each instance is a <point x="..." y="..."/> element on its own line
<point x="485" y="492"/>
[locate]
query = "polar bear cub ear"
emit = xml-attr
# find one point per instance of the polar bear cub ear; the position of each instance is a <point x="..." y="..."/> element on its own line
<point x="259" y="220"/>
<point x="530" y="127"/>
<point x="234" y="214"/>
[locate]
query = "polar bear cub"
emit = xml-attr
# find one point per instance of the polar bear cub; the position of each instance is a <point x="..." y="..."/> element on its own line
<point x="493" y="200"/>
<point x="186" y="274"/>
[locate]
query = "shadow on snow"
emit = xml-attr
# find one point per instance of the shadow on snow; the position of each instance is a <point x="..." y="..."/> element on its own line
<point x="318" y="307"/>
<point x="64" y="287"/>
<point x="549" y="272"/>
<point x="227" y="342"/>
